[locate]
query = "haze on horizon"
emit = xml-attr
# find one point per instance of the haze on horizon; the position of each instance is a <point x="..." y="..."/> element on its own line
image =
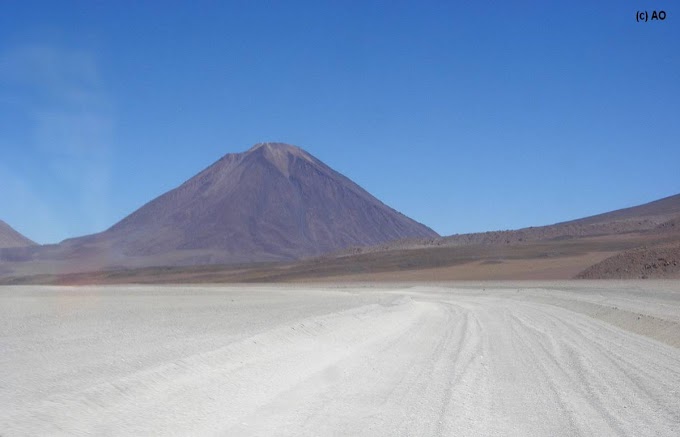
<point x="464" y="117"/>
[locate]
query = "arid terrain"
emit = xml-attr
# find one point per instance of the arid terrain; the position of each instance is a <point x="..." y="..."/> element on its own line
<point x="507" y="358"/>
<point x="276" y="213"/>
<point x="339" y="219"/>
<point x="645" y="262"/>
<point x="614" y="242"/>
<point x="533" y="260"/>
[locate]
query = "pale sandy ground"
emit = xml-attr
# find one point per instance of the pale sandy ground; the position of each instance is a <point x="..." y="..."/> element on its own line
<point x="524" y="359"/>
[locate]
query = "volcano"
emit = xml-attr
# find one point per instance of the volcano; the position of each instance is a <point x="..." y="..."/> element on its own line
<point x="272" y="202"/>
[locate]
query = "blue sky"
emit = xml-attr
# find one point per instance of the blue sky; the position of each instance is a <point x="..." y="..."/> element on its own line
<point x="466" y="116"/>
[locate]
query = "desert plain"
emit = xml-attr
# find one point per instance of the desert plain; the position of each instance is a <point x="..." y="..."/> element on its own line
<point x="551" y="358"/>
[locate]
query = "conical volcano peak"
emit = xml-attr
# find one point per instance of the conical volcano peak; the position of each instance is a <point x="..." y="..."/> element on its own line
<point x="272" y="202"/>
<point x="279" y="154"/>
<point x="277" y="147"/>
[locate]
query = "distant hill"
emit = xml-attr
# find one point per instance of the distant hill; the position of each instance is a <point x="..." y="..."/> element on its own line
<point x="646" y="217"/>
<point x="11" y="238"/>
<point x="657" y="211"/>
<point x="640" y="263"/>
<point x="654" y="218"/>
<point x="272" y="202"/>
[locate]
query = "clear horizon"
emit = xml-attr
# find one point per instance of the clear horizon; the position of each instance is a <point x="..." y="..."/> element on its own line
<point x="466" y="118"/>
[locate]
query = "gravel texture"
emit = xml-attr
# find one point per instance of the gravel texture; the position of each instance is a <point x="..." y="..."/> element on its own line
<point x="572" y="358"/>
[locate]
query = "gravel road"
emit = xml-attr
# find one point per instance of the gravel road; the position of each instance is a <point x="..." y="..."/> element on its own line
<point x="573" y="358"/>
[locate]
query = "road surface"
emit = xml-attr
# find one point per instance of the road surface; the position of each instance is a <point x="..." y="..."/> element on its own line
<point x="573" y="358"/>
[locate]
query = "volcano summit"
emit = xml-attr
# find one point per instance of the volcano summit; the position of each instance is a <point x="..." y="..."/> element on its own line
<point x="272" y="202"/>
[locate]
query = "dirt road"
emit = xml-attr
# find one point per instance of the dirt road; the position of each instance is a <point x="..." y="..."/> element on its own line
<point x="554" y="359"/>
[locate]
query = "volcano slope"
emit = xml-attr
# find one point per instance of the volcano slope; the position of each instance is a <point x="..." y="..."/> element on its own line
<point x="11" y="238"/>
<point x="274" y="202"/>
<point x="560" y="359"/>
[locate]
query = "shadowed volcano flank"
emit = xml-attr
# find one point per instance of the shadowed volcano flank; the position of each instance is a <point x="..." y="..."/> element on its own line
<point x="274" y="201"/>
<point x="11" y="238"/>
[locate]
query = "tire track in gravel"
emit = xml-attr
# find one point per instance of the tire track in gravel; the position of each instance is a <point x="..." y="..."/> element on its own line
<point x="424" y="361"/>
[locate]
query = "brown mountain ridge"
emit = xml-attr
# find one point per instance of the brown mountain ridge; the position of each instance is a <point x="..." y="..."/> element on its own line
<point x="636" y="243"/>
<point x="652" y="219"/>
